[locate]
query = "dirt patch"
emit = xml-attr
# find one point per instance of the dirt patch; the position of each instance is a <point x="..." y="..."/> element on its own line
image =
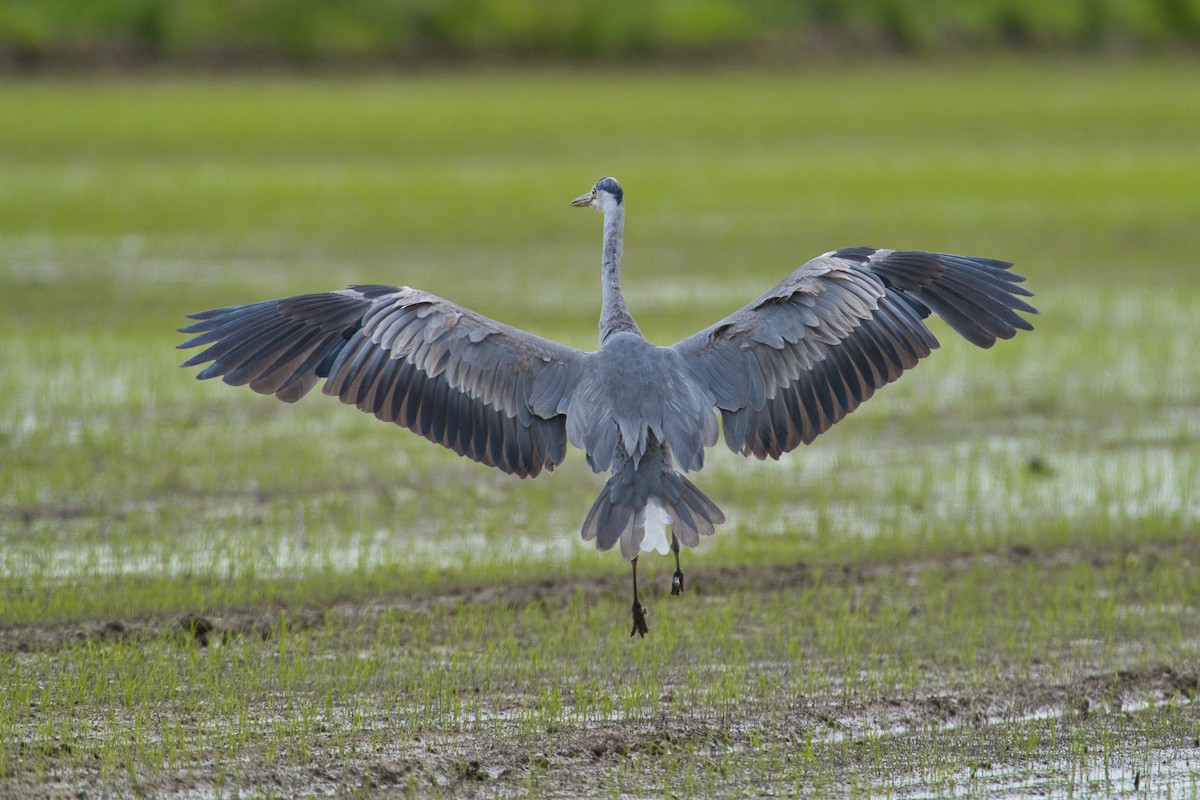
<point x="703" y="580"/>
<point x="190" y="628"/>
<point x="1157" y="682"/>
<point x="1003" y="731"/>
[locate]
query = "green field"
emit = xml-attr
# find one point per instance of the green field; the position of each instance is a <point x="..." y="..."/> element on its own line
<point x="38" y="34"/>
<point x="984" y="582"/>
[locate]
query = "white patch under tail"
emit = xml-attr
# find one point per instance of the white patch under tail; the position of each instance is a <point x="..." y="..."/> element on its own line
<point x="654" y="521"/>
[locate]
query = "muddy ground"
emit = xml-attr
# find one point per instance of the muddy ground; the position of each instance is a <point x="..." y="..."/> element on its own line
<point x="852" y="736"/>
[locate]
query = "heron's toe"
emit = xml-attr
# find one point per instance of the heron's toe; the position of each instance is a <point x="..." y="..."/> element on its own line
<point x="640" y="627"/>
<point x="677" y="582"/>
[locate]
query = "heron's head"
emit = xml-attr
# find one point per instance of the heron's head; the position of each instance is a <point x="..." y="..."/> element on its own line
<point x="605" y="194"/>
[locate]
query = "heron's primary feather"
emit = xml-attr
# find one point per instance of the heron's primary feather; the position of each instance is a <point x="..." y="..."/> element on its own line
<point x="789" y="365"/>
<point x="484" y="390"/>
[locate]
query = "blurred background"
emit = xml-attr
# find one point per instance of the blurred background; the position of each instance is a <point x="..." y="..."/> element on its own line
<point x="157" y="158"/>
<point x="217" y="33"/>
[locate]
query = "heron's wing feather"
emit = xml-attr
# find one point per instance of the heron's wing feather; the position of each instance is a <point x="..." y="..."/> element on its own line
<point x="786" y="367"/>
<point x="483" y="389"/>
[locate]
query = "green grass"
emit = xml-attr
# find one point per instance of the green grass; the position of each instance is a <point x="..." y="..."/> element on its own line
<point x="983" y="580"/>
<point x="73" y="32"/>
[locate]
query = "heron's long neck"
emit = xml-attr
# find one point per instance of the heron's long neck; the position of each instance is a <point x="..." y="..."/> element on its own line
<point x="614" y="314"/>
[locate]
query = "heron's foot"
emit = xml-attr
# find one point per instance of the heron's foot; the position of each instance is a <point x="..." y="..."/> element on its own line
<point x="677" y="582"/>
<point x="639" y="620"/>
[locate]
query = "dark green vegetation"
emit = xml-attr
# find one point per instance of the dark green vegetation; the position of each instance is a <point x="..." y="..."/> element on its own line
<point x="984" y="581"/>
<point x="39" y="33"/>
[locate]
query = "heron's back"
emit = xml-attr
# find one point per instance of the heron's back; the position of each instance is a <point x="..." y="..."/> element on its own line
<point x="637" y="394"/>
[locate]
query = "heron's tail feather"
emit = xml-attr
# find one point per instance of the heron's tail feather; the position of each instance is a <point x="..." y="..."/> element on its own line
<point x="620" y="515"/>
<point x="609" y="519"/>
<point x="693" y="515"/>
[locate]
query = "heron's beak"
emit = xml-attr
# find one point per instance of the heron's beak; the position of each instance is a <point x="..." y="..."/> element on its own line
<point x="583" y="201"/>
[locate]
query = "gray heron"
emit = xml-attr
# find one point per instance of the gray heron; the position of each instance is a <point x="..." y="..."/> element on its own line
<point x="779" y="372"/>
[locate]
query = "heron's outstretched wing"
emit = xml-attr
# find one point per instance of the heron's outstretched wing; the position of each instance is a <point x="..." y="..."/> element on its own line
<point x="485" y="390"/>
<point x="785" y="368"/>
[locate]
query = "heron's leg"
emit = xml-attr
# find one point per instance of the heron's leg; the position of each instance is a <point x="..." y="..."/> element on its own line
<point x="639" y="610"/>
<point x="677" y="578"/>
